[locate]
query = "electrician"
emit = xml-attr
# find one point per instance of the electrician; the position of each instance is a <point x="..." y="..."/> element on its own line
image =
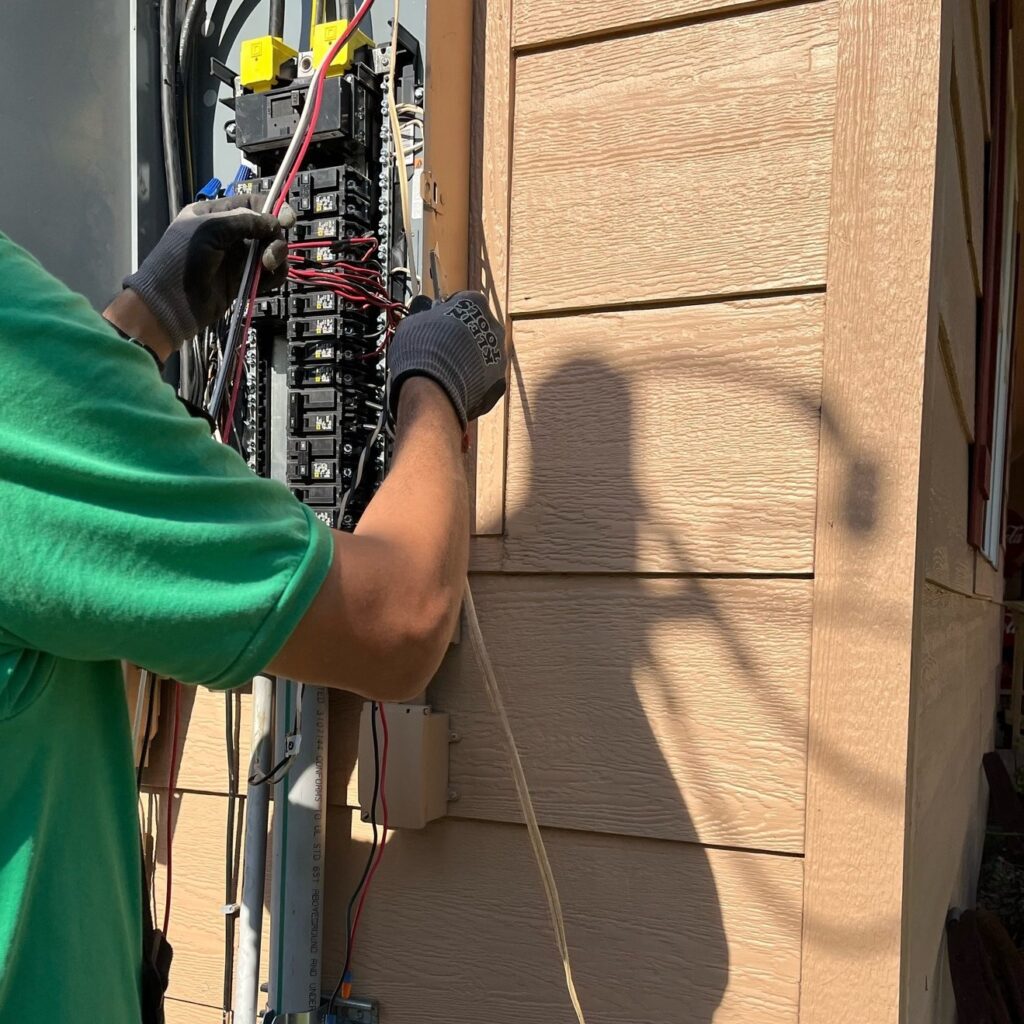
<point x="130" y="533"/>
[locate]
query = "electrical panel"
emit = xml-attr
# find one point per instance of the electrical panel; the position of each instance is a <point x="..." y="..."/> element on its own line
<point x="316" y="412"/>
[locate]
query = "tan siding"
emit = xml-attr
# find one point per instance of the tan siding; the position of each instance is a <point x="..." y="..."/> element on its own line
<point x="681" y="440"/>
<point x="665" y="708"/>
<point x="866" y="552"/>
<point x="197" y="924"/>
<point x="178" y="1012"/>
<point x="689" y="162"/>
<point x="953" y="716"/>
<point x="203" y="748"/>
<point x="539" y="22"/>
<point x="490" y="156"/>
<point x="456" y="928"/>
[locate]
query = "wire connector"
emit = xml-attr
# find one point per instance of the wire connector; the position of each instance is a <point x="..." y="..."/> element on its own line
<point x="211" y="190"/>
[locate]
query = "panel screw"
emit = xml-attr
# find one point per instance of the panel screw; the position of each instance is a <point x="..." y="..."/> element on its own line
<point x="452" y="796"/>
<point x="453" y="737"/>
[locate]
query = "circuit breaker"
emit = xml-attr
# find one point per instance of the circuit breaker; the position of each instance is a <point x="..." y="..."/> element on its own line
<point x="315" y="416"/>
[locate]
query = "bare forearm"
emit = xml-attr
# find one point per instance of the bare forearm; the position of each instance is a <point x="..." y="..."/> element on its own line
<point x="382" y="620"/>
<point x="421" y="511"/>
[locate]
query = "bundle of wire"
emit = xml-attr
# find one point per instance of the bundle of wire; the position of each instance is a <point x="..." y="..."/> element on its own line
<point x="361" y="284"/>
<point x="239" y="328"/>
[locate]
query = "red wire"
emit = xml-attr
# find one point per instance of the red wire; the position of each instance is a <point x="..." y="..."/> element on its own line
<point x="311" y="129"/>
<point x="172" y="779"/>
<point x="282" y="198"/>
<point x="384" y="826"/>
<point x="236" y="384"/>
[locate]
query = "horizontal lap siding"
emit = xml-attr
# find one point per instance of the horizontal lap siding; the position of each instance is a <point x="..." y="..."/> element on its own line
<point x="690" y="162"/>
<point x="662" y="718"/>
<point x="669" y="440"/>
<point x="543" y="22"/>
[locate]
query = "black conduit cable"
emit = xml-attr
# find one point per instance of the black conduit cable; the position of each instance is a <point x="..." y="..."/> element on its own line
<point x="168" y="108"/>
<point x="277" y="18"/>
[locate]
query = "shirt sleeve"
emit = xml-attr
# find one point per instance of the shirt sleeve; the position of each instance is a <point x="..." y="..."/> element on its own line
<point x="129" y="531"/>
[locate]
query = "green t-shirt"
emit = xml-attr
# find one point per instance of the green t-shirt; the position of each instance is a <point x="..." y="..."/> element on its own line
<point x="128" y="532"/>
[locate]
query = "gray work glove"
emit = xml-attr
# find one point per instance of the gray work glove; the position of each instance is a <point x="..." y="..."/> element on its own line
<point x="459" y="345"/>
<point x="193" y="273"/>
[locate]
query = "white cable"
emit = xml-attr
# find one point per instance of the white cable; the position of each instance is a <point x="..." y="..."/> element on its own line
<point x="525" y="802"/>
<point x="140" y="709"/>
<point x="296" y="144"/>
<point x="402" y="173"/>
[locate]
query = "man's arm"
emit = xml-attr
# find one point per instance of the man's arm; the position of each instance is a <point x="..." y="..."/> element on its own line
<point x="383" y="618"/>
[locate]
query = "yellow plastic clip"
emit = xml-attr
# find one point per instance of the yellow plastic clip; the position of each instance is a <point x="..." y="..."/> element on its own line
<point x="324" y="36"/>
<point x="261" y="61"/>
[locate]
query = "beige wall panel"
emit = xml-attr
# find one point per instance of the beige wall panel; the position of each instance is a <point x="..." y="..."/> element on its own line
<point x="178" y="1012"/>
<point x="666" y="708"/>
<point x="676" y="440"/>
<point x="881" y="311"/>
<point x="490" y="158"/>
<point x="948" y="558"/>
<point x="456" y="928"/>
<point x="953" y="714"/>
<point x="690" y="162"/>
<point x="196" y="925"/>
<point x="969" y="118"/>
<point x="958" y="300"/>
<point x="542" y="22"/>
<point x="203" y="749"/>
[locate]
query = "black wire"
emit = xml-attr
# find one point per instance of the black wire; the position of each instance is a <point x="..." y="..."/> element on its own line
<point x="259" y="780"/>
<point x="277" y="18"/>
<point x="144" y="750"/>
<point x="369" y="860"/>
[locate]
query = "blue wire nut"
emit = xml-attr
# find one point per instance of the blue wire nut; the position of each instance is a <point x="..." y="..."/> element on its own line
<point x="244" y="173"/>
<point x="210" y="190"/>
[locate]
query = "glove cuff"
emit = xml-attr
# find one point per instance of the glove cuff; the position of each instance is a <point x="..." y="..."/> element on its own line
<point x="165" y="298"/>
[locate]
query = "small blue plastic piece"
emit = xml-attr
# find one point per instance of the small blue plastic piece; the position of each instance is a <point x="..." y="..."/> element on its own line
<point x="210" y="190"/>
<point x="244" y="173"/>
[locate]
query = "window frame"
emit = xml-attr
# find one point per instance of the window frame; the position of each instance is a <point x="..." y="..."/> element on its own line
<point x="989" y="452"/>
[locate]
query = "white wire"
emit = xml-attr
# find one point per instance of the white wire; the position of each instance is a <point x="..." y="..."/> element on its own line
<point x="525" y="802"/>
<point x="396" y="134"/>
<point x="297" y="138"/>
<point x="140" y="707"/>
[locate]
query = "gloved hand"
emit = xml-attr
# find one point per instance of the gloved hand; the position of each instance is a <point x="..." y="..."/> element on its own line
<point x="459" y="345"/>
<point x="193" y="273"/>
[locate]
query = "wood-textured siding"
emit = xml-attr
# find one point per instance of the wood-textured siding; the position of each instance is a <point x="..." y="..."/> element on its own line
<point x="683" y="163"/>
<point x="697" y="560"/>
<point x="682" y="439"/>
<point x="958" y="641"/>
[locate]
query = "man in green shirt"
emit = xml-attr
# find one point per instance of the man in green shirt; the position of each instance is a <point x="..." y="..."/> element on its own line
<point x="130" y="533"/>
